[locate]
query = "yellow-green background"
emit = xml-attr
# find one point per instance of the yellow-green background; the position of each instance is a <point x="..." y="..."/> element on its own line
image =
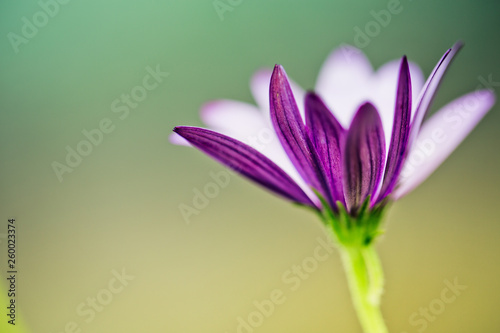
<point x="119" y="208"/>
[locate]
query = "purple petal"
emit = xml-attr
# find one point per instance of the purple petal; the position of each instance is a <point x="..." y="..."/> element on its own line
<point x="291" y="131"/>
<point x="363" y="156"/>
<point x="259" y="85"/>
<point x="440" y="135"/>
<point x="245" y="160"/>
<point x="400" y="131"/>
<point x="327" y="136"/>
<point x="431" y="85"/>
<point x="383" y="91"/>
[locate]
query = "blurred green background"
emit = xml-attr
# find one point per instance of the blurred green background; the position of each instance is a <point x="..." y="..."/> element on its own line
<point x="118" y="210"/>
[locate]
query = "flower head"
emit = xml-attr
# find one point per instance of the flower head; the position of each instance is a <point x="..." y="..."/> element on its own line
<point x="349" y="147"/>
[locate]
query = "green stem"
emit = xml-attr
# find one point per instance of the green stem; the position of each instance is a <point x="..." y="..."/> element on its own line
<point x="375" y="274"/>
<point x="365" y="278"/>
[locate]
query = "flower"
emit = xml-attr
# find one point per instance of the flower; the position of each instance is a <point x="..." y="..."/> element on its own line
<point x="346" y="150"/>
<point x="356" y="143"/>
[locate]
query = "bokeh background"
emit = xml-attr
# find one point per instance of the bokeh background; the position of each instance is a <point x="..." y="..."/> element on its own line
<point x="118" y="210"/>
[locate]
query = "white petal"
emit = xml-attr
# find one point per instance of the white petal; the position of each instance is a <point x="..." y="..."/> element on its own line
<point x="259" y="85"/>
<point x="343" y="82"/>
<point x="300" y="97"/>
<point x="235" y="119"/>
<point x="417" y="80"/>
<point x="440" y="135"/>
<point x="176" y="139"/>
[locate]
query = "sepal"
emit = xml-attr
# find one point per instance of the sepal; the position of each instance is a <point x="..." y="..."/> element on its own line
<point x="359" y="230"/>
